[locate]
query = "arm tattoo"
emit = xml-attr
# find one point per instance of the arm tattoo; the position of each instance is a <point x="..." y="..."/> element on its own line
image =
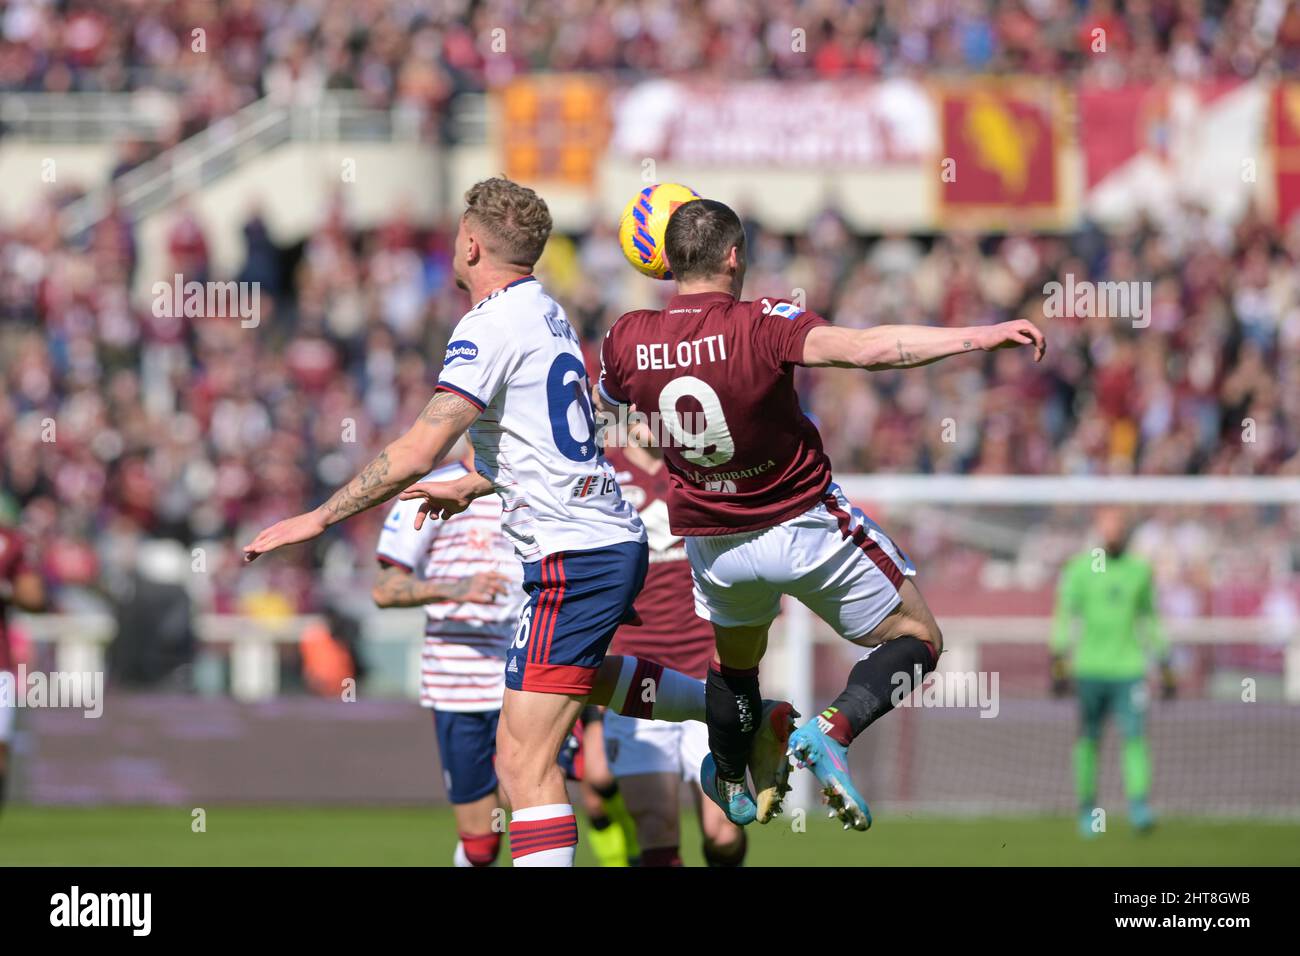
<point x="378" y="481"/>
<point x="445" y="407"/>
<point x="373" y="485"/>
<point x="905" y="357"/>
<point x="396" y="588"/>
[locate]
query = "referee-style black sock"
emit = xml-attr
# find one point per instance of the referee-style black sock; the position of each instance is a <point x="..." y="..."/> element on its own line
<point x="873" y="683"/>
<point x="733" y="707"/>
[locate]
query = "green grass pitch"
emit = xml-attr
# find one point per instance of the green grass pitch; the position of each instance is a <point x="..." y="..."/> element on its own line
<point x="317" y="836"/>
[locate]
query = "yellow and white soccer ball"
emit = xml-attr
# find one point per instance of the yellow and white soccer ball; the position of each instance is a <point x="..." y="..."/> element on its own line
<point x="641" y="230"/>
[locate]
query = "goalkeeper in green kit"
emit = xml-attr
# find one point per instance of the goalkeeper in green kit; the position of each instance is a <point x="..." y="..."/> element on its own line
<point x="1111" y="594"/>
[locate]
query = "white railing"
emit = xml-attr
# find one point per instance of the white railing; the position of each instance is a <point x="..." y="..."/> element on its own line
<point x="217" y="150"/>
<point x="80" y="641"/>
<point x="86" y="117"/>
<point x="470" y="119"/>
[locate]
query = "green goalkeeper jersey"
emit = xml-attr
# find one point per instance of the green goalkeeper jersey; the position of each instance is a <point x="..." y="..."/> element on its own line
<point x="1114" y="601"/>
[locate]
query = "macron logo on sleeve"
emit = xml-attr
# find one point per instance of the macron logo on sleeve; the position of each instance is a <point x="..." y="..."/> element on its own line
<point x="460" y="349"/>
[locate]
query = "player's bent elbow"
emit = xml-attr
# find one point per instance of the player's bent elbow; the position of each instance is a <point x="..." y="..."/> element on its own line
<point x="831" y="347"/>
<point x="871" y="352"/>
<point x="934" y="637"/>
<point x="412" y="458"/>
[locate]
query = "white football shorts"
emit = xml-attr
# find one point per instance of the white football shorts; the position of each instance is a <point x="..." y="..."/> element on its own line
<point x="833" y="558"/>
<point x="635" y="746"/>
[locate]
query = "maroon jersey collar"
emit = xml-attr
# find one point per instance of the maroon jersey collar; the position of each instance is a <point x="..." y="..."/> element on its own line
<point x="697" y="300"/>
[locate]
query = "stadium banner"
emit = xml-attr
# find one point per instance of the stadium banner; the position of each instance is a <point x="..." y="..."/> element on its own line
<point x="1285" y="138"/>
<point x="1013" y="152"/>
<point x="880" y="152"/>
<point x="1001" y="155"/>
<point x="815" y="125"/>
<point x="553" y="128"/>
<point x="1148" y="148"/>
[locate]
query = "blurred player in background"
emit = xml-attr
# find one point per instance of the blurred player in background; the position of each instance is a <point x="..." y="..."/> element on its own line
<point x="611" y="831"/>
<point x="464" y="573"/>
<point x="650" y="758"/>
<point x="1111" y="595"/>
<point x="20" y="586"/>
<point x="753" y="496"/>
<point x="513" y="375"/>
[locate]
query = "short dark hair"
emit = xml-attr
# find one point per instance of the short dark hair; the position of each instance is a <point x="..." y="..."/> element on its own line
<point x="698" y="237"/>
<point x="514" y="217"/>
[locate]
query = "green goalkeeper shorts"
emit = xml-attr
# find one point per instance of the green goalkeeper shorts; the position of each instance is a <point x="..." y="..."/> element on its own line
<point x="1126" y="699"/>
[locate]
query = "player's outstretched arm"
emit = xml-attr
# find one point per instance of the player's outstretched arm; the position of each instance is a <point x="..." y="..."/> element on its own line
<point x="910" y="346"/>
<point x="443" y="421"/>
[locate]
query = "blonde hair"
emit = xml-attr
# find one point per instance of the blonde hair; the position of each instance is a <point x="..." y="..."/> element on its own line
<point x="514" y="217"/>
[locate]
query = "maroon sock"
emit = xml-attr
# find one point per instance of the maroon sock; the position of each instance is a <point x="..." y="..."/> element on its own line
<point x="835" y="726"/>
<point x="661" y="856"/>
<point x="481" y="849"/>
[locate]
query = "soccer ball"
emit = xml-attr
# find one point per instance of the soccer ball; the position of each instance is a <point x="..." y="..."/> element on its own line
<point x="641" y="230"/>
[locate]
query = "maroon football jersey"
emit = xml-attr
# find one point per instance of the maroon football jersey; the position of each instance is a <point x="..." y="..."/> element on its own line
<point x="715" y="378"/>
<point x="13" y="564"/>
<point x="670" y="633"/>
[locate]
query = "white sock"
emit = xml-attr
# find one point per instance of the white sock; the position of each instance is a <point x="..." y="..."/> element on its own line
<point x="543" y="836"/>
<point x="651" y="691"/>
<point x="459" y="858"/>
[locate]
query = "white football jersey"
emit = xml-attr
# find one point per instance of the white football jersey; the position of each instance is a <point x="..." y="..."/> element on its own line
<point x="515" y="356"/>
<point x="462" y="663"/>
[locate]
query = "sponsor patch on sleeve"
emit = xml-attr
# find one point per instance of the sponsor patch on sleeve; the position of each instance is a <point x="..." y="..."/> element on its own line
<point x="462" y="349"/>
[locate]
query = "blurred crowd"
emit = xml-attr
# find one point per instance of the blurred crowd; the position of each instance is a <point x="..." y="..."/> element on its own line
<point x="1210" y="386"/>
<point x="117" y="424"/>
<point x="219" y="55"/>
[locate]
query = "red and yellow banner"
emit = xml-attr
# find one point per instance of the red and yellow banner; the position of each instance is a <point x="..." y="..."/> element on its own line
<point x="999" y="152"/>
<point x="1286" y="150"/>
